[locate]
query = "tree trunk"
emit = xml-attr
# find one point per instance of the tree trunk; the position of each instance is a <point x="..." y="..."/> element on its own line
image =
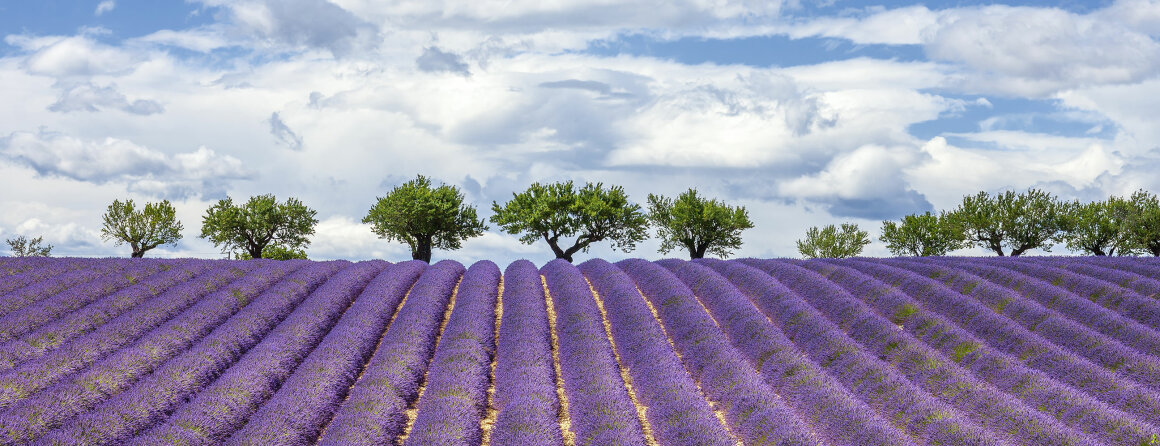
<point x="697" y="252"/>
<point x="138" y="254"/>
<point x="422" y="249"/>
<point x="255" y="251"/>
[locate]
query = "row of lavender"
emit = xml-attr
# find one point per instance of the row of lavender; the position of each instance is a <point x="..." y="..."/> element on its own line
<point x="950" y="351"/>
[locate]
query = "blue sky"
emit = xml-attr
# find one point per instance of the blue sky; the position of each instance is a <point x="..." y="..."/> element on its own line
<point x="806" y="113"/>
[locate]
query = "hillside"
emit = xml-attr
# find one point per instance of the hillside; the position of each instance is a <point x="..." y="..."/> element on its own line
<point x="954" y="350"/>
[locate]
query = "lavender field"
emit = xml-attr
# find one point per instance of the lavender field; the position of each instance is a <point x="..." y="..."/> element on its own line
<point x="959" y="351"/>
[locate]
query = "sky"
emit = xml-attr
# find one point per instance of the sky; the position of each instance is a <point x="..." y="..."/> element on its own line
<point x="806" y="113"/>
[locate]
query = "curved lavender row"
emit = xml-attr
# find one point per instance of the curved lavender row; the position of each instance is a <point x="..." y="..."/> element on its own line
<point x="753" y="410"/>
<point x="1143" y="309"/>
<point x="39" y="373"/>
<point x="1009" y="337"/>
<point x="838" y="415"/>
<point x="1141" y="267"/>
<point x="374" y="411"/>
<point x="84" y="320"/>
<point x="1024" y="308"/>
<point x="677" y="412"/>
<point x="74" y="394"/>
<point x="599" y="405"/>
<point x="1045" y="389"/>
<point x="1124" y="329"/>
<point x="805" y="308"/>
<point x="37" y="269"/>
<point x="19" y="322"/>
<point x="452" y="407"/>
<point x="267" y="354"/>
<point x="525" y="378"/>
<point x="305" y="401"/>
<point x="972" y="376"/>
<point x="35" y="292"/>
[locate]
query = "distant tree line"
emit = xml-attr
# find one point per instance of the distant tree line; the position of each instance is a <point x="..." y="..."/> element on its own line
<point x="571" y="218"/>
<point x="1009" y="224"/>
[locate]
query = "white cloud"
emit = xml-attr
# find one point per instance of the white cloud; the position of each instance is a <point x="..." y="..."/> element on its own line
<point x="92" y="98"/>
<point x="117" y="160"/>
<point x="76" y="56"/>
<point x="104" y="6"/>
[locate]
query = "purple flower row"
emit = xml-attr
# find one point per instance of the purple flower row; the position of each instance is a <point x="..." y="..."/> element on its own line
<point x="928" y="310"/>
<point x="599" y="405"/>
<point x="676" y="411"/>
<point x="451" y="408"/>
<point x="1011" y="338"/>
<point x="1075" y="307"/>
<point x="37" y="291"/>
<point x="525" y="379"/>
<point x="307" y="399"/>
<point x="1142" y="308"/>
<point x="54" y="334"/>
<point x="150" y="398"/>
<point x="216" y="365"/>
<point x="752" y="409"/>
<point x="31" y="270"/>
<point x="830" y="326"/>
<point x="1024" y="307"/>
<point x="72" y="395"/>
<point x="839" y="416"/>
<point x="374" y="411"/>
<point x="49" y="366"/>
<point x="19" y="322"/>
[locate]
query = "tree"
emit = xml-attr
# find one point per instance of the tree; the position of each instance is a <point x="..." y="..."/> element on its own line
<point x="275" y="252"/>
<point x="424" y="217"/>
<point x="1099" y="228"/>
<point x="259" y="222"/>
<point x="698" y="224"/>
<point x="922" y="235"/>
<point x="152" y="226"/>
<point x="829" y="242"/>
<point x="591" y="214"/>
<point x="1144" y="222"/>
<point x="1029" y="220"/>
<point x="23" y="247"/>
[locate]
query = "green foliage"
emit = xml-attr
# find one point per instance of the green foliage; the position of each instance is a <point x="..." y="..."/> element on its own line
<point x="829" y="242"/>
<point x="922" y="235"/>
<point x="1020" y="222"/>
<point x="591" y="214"/>
<point x="1099" y="228"/>
<point x="424" y="217"/>
<point x="152" y="226"/>
<point x="275" y="252"/>
<point x="259" y="222"/>
<point x="1144" y="222"/>
<point x="24" y="247"/>
<point x="699" y="224"/>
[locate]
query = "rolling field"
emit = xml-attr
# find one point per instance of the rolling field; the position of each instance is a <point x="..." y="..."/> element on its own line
<point x="1034" y="351"/>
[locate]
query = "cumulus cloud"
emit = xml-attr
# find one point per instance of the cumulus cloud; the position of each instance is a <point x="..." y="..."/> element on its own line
<point x="89" y="97"/>
<point x="104" y="6"/>
<point x="433" y="60"/>
<point x="75" y="56"/>
<point x="116" y="160"/>
<point x="302" y="23"/>
<point x="867" y="182"/>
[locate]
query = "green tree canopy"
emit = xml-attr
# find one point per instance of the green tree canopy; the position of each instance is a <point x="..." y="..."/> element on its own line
<point x="424" y="217"/>
<point x="24" y="247"/>
<point x="259" y="222"/>
<point x="275" y="252"/>
<point x="1020" y="222"/>
<point x="1100" y="227"/>
<point x="1144" y="222"/>
<point x="830" y="242"/>
<point x="922" y="235"/>
<point x="591" y="214"/>
<point x="698" y="224"/>
<point x="143" y="229"/>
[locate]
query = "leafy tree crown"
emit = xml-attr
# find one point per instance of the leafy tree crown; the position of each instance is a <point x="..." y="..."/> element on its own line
<point x="698" y="224"/>
<point x="830" y="242"/>
<point x="143" y="229"/>
<point x="24" y="247"/>
<point x="424" y="217"/>
<point x="259" y="222"/>
<point x="922" y="235"/>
